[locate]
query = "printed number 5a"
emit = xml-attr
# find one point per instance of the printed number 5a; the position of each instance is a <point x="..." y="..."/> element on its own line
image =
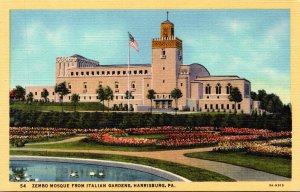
<point x="22" y="185"/>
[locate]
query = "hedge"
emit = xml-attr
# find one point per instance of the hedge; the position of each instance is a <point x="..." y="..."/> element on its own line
<point x="19" y="118"/>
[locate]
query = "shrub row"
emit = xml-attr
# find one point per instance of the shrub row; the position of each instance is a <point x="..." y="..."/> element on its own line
<point x="19" y="118"/>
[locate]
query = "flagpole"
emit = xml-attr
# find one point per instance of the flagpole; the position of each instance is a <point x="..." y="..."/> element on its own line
<point x="128" y="99"/>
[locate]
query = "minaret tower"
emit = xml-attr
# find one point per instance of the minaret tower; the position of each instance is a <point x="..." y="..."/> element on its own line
<point x="166" y="60"/>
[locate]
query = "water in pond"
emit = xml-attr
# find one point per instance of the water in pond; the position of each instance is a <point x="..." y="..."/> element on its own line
<point x="58" y="171"/>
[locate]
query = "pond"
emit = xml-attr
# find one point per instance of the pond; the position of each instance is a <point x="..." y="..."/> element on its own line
<point x="51" y="169"/>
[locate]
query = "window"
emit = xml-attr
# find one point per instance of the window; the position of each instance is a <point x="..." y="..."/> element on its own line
<point x="117" y="97"/>
<point x="207" y="97"/>
<point x="163" y="54"/>
<point x="84" y="87"/>
<point x="205" y="106"/>
<point x="181" y="84"/>
<point x="133" y="84"/>
<point x="108" y="73"/>
<point x="76" y="73"/>
<point x="228" y="88"/>
<point x="82" y="73"/>
<point x="119" y="72"/>
<point x="69" y="86"/>
<point x="247" y="90"/>
<point x="69" y="97"/>
<point x="132" y="97"/>
<point x="163" y="68"/>
<point x="218" y="88"/>
<point x="92" y="72"/>
<point x="35" y="93"/>
<point x="100" y="83"/>
<point x="87" y="73"/>
<point x="52" y="93"/>
<point x="140" y="71"/>
<point x="103" y="72"/>
<point x="124" y="72"/>
<point x="232" y="106"/>
<point x="98" y="73"/>
<point x="146" y="72"/>
<point x="135" y="72"/>
<point x="227" y="106"/>
<point x="239" y="106"/>
<point x="90" y="98"/>
<point x="207" y="89"/>
<point x="72" y="73"/>
<point x="217" y="106"/>
<point x="163" y="81"/>
<point x="84" y="97"/>
<point x="147" y="84"/>
<point x="113" y="72"/>
<point x="222" y="106"/>
<point x="116" y="84"/>
<point x="122" y="97"/>
<point x="211" y="106"/>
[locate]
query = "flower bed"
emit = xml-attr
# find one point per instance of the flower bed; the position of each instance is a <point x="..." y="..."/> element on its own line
<point x="165" y="130"/>
<point x="269" y="150"/>
<point x="256" y="148"/>
<point x="109" y="137"/>
<point x="243" y="131"/>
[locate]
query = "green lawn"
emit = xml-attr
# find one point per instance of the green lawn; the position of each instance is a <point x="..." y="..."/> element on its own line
<point x="191" y="173"/>
<point x="37" y="106"/>
<point x="53" y="139"/>
<point x="84" y="144"/>
<point x="275" y="165"/>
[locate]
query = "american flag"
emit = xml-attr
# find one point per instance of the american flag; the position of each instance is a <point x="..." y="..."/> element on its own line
<point x="133" y="43"/>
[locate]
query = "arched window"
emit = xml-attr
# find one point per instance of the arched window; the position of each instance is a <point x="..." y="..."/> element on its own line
<point x="207" y="89"/>
<point x="116" y="84"/>
<point x="133" y="84"/>
<point x="228" y="88"/>
<point x="218" y="88"/>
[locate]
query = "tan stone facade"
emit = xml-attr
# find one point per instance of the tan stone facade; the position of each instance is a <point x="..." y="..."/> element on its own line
<point x="201" y="91"/>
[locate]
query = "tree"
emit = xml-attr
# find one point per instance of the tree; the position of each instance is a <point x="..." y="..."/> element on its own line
<point x="176" y="94"/>
<point x="128" y="95"/>
<point x="19" y="92"/>
<point x="45" y="94"/>
<point x="151" y="96"/>
<point x="273" y="103"/>
<point x="75" y="99"/>
<point x="62" y="90"/>
<point x="12" y="95"/>
<point x="29" y="97"/>
<point x="109" y="95"/>
<point x="253" y="95"/>
<point x="261" y="97"/>
<point x="235" y="96"/>
<point x="101" y="95"/>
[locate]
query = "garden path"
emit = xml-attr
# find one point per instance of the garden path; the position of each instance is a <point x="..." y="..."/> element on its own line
<point x="56" y="142"/>
<point x="237" y="173"/>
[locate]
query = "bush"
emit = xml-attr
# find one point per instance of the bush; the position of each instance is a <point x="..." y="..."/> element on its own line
<point x="19" y="118"/>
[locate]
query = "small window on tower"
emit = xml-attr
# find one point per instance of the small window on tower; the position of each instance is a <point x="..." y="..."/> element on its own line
<point x="163" y="54"/>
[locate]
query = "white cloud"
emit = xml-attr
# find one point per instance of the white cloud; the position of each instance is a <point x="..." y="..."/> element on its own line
<point x="57" y="36"/>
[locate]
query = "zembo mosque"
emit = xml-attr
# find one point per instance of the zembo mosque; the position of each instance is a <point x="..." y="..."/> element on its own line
<point x="201" y="91"/>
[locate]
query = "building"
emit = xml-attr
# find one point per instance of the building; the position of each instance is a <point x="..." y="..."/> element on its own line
<point x="201" y="90"/>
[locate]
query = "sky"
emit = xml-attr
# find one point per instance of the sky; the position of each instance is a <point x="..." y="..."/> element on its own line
<point x="254" y="44"/>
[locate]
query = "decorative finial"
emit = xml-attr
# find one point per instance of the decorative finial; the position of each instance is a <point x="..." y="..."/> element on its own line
<point x="167" y="15"/>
